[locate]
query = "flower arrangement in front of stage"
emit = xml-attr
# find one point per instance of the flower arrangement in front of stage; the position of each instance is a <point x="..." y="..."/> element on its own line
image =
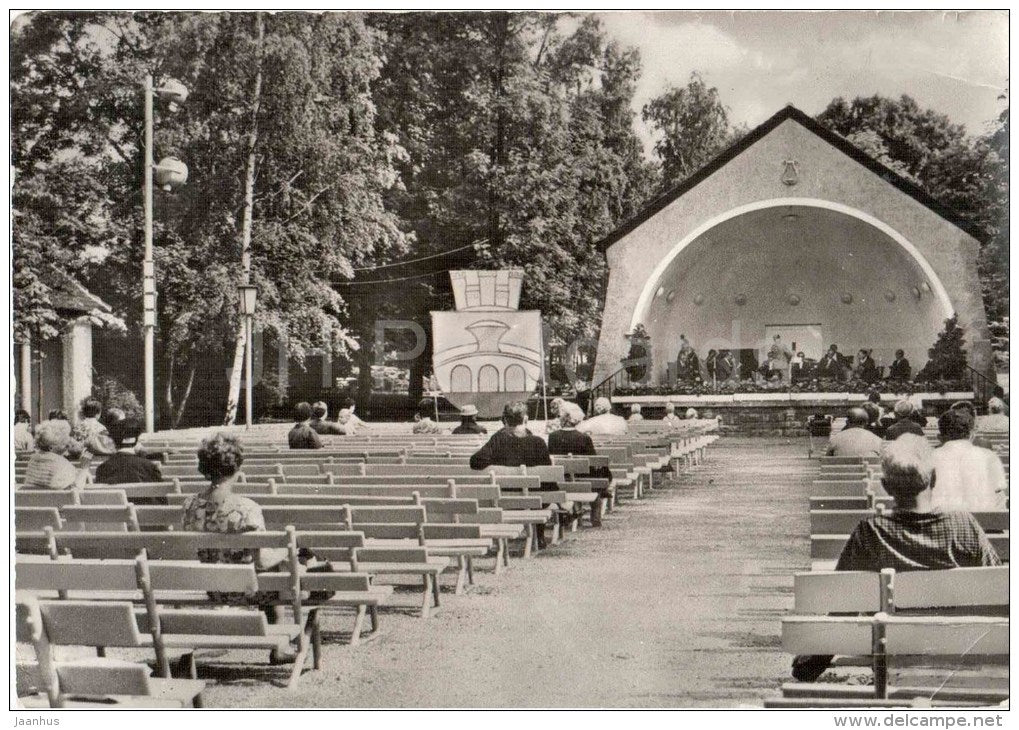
<point x="806" y="386"/>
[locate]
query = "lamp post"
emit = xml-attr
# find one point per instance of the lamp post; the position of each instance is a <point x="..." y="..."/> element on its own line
<point x="248" y="296"/>
<point x="169" y="174"/>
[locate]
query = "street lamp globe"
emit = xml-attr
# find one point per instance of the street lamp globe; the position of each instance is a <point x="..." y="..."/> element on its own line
<point x="174" y="93"/>
<point x="171" y="173"/>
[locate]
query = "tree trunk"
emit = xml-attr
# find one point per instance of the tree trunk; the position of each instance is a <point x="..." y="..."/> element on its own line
<point x="249" y="197"/>
<point x="169" y="385"/>
<point x="418" y="367"/>
<point x="179" y="413"/>
<point x="365" y="359"/>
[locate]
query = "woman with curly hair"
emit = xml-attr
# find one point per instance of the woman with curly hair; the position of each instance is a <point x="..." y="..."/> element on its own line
<point x="218" y="509"/>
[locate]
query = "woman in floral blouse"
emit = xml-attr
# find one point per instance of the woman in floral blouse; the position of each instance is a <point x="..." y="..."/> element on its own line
<point x="218" y="509"/>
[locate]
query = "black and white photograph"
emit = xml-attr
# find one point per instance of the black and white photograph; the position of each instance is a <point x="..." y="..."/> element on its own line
<point x="509" y="359"/>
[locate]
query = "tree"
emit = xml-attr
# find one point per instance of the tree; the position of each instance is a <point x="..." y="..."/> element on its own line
<point x="968" y="174"/>
<point x="323" y="167"/>
<point x="947" y="358"/>
<point x="520" y="140"/>
<point x="692" y="126"/>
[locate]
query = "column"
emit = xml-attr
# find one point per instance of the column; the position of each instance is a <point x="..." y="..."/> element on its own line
<point x="25" y="377"/>
<point x="77" y="364"/>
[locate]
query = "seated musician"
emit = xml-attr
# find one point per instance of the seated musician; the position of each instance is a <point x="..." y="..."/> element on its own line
<point x="915" y="536"/>
<point x="899" y="369"/>
<point x="725" y="367"/>
<point x="830" y="367"/>
<point x="866" y="369"/>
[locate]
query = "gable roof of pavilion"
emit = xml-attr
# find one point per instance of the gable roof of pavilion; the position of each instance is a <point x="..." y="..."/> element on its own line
<point x="837" y="141"/>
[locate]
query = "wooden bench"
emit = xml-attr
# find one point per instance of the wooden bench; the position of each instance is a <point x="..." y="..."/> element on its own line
<point x="95" y="682"/>
<point x="147" y="582"/>
<point x="908" y="623"/>
<point x="349" y="590"/>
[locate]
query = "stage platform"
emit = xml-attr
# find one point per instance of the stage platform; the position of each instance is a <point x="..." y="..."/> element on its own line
<point x="778" y="413"/>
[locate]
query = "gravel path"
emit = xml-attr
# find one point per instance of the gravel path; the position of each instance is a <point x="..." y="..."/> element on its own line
<point x="676" y="602"/>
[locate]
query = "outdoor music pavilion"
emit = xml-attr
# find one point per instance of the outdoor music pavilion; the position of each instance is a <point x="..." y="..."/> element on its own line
<point x="795" y="231"/>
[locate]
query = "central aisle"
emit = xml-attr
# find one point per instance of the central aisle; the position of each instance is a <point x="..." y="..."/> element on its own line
<point x="676" y="602"/>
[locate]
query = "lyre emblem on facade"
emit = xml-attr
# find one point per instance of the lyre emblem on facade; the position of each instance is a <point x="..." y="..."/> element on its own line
<point x="790" y="172"/>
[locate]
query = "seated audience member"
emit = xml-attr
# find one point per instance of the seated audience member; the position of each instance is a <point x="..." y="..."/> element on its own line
<point x="89" y="432"/>
<point x="469" y="421"/>
<point x="568" y="441"/>
<point x="1000" y="394"/>
<point x="996" y="420"/>
<point x="855" y="439"/>
<point x="49" y="468"/>
<point x="691" y="414"/>
<point x="319" y="424"/>
<point x="969" y="478"/>
<point x="966" y="407"/>
<point x="126" y="466"/>
<point x="899" y="369"/>
<point x="513" y="444"/>
<point x="423" y="422"/>
<point x="603" y="421"/>
<point x="218" y="509"/>
<point x="874" y="397"/>
<point x="75" y="448"/>
<point x="904" y="422"/>
<point x="302" y="435"/>
<point x="635" y="414"/>
<point x="916" y="535"/>
<point x="670" y="416"/>
<point x="874" y="419"/>
<point x="24" y="441"/>
<point x="349" y="420"/>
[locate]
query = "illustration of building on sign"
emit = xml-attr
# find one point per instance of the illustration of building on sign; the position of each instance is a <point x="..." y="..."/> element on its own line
<point x="487" y="352"/>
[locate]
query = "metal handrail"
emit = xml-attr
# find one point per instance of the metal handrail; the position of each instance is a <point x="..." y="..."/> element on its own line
<point x="983" y="387"/>
<point x="606" y="387"/>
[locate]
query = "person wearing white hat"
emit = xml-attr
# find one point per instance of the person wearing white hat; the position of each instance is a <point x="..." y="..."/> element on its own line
<point x="468" y="421"/>
<point x="635" y="413"/>
<point x="603" y="421"/>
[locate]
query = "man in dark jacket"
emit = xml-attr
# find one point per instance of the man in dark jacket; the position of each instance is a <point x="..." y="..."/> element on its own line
<point x="904" y="422"/>
<point x="468" y="421"/>
<point x="899" y="369"/>
<point x="302" y="435"/>
<point x="126" y="466"/>
<point x="514" y="444"/>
